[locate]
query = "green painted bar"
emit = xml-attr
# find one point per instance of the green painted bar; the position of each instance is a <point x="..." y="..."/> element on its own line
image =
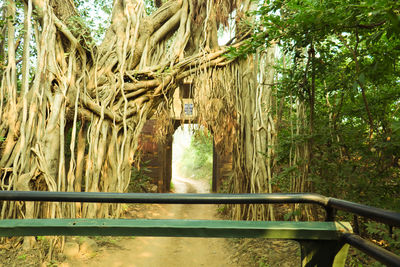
<point x="176" y="228"/>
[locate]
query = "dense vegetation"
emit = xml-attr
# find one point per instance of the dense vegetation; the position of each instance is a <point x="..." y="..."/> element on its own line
<point x="337" y="91"/>
<point x="341" y="59"/>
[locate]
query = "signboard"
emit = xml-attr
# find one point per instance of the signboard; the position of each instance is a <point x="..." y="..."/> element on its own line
<point x="188" y="108"/>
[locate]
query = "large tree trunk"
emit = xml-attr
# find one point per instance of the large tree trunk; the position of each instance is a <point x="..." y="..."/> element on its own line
<point x="74" y="126"/>
<point x="254" y="150"/>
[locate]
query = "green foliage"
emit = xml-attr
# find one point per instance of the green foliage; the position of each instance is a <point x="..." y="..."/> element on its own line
<point x="92" y="14"/>
<point x="291" y="214"/>
<point x="383" y="236"/>
<point x="149" y="6"/>
<point x="341" y="59"/>
<point x="18" y="23"/>
<point x="262" y="263"/>
<point x="222" y="209"/>
<point x="139" y="182"/>
<point x="22" y="257"/>
<point x="197" y="159"/>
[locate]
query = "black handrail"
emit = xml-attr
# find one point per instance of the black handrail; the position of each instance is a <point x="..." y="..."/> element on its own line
<point x="163" y="198"/>
<point x="380" y="215"/>
<point x="382" y="255"/>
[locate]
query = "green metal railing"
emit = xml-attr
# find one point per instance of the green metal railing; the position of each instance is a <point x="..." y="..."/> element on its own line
<point x="321" y="243"/>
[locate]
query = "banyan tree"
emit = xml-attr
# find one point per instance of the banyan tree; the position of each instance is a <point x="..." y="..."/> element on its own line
<point x="71" y="109"/>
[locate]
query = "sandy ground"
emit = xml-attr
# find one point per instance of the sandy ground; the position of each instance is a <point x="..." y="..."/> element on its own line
<point x="168" y="251"/>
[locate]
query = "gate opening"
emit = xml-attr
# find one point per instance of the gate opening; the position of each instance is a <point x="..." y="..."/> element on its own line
<point x="192" y="160"/>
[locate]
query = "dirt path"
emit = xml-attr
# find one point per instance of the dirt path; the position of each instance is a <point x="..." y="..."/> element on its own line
<point x="167" y="251"/>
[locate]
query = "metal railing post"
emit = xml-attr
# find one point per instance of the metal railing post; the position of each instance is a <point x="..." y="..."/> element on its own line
<point x="330" y="214"/>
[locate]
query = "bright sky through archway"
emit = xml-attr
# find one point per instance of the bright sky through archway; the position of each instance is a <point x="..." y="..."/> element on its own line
<point x="182" y="139"/>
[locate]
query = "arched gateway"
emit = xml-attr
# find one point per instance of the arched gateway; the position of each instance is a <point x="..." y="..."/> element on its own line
<point x="158" y="155"/>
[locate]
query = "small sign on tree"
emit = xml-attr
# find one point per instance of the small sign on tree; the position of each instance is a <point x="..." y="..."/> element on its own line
<point x="188" y="109"/>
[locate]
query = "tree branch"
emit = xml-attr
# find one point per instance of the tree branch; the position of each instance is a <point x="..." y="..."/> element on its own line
<point x="355" y="58"/>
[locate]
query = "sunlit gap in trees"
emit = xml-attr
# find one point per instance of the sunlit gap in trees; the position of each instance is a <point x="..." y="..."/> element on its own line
<point x="96" y="15"/>
<point x="225" y="34"/>
<point x="192" y="159"/>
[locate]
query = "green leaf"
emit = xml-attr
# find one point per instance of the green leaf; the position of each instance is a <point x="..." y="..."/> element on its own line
<point x="394" y="19"/>
<point x="377" y="36"/>
<point x="396" y="126"/>
<point x="361" y="78"/>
